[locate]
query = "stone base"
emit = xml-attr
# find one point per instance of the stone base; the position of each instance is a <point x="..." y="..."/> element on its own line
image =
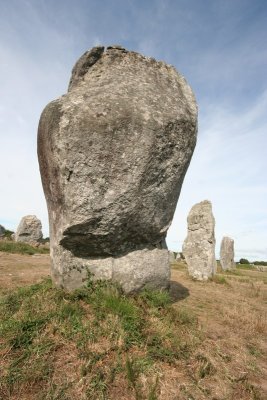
<point x="201" y="269"/>
<point x="133" y="272"/>
<point x="200" y="276"/>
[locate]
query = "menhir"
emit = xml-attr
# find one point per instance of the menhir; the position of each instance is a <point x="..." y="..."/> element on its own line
<point x="113" y="153"/>
<point x="199" y="245"/>
<point x="29" y="230"/>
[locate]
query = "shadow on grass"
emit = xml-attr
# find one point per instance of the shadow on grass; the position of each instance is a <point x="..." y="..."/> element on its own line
<point x="178" y="291"/>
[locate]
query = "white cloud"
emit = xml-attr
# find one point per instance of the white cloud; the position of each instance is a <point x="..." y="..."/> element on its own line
<point x="228" y="168"/>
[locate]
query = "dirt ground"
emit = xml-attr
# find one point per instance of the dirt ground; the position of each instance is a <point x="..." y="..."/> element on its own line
<point x="18" y="269"/>
<point x="233" y="315"/>
<point x="231" y="311"/>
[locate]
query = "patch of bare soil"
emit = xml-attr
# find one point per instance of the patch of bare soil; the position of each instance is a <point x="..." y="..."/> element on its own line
<point x="19" y="269"/>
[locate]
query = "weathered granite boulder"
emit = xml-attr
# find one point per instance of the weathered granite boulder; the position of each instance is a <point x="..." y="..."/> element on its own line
<point x="199" y="245"/>
<point x="113" y="153"/>
<point x="227" y="254"/>
<point x="2" y="230"/>
<point x="29" y="230"/>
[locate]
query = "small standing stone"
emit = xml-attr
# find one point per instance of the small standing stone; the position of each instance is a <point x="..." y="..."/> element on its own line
<point x="2" y="230"/>
<point x="199" y="245"/>
<point x="227" y="254"/>
<point x="29" y="230"/>
<point x="171" y="257"/>
<point x="179" y="257"/>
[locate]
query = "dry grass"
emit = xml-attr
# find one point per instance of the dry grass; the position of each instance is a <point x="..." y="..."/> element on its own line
<point x="206" y="342"/>
<point x="18" y="270"/>
<point x="232" y="312"/>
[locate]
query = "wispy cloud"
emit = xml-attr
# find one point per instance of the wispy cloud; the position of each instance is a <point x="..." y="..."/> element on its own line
<point x="228" y="168"/>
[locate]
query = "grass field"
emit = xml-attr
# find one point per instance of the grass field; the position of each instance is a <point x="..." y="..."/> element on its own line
<point x="199" y="341"/>
<point x="21" y="248"/>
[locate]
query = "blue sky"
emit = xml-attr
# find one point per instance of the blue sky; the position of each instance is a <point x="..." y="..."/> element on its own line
<point x="219" y="46"/>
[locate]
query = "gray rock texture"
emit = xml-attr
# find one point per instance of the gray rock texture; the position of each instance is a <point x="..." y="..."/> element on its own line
<point x="29" y="230"/>
<point x="227" y="254"/>
<point x="199" y="245"/>
<point x="147" y="268"/>
<point x="113" y="153"/>
<point x="262" y="268"/>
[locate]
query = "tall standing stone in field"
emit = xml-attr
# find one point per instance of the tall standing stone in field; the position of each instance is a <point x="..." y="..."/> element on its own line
<point x="171" y="257"/>
<point x="29" y="230"/>
<point x="199" y="245"/>
<point x="227" y="254"/>
<point x="113" y="153"/>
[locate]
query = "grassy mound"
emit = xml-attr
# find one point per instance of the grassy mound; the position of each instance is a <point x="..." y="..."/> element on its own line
<point x="95" y="342"/>
<point x="21" y="248"/>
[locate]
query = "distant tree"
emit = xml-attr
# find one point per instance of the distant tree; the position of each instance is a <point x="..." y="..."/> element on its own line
<point x="260" y="263"/>
<point x="243" y="261"/>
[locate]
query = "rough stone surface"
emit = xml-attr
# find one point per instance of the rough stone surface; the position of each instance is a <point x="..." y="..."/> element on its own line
<point x="133" y="271"/>
<point x="227" y="254"/>
<point x="199" y="245"/>
<point x="113" y="153"/>
<point x="262" y="268"/>
<point x="2" y="230"/>
<point x="29" y="230"/>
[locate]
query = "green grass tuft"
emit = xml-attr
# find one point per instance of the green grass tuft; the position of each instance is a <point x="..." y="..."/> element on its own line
<point x="245" y="266"/>
<point x="221" y="280"/>
<point x="156" y="298"/>
<point x="21" y="248"/>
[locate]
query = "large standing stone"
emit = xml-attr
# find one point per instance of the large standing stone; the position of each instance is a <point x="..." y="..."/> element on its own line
<point x="29" y="230"/>
<point x="227" y="253"/>
<point x="199" y="245"/>
<point x="113" y="153"/>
